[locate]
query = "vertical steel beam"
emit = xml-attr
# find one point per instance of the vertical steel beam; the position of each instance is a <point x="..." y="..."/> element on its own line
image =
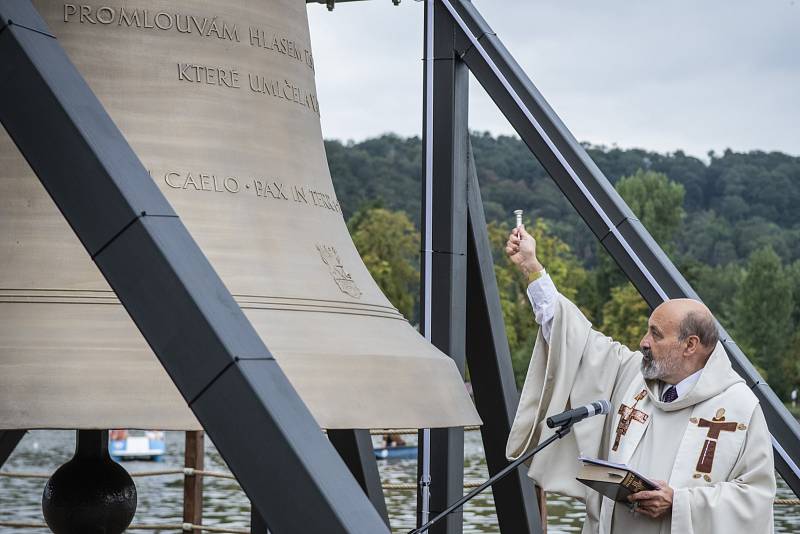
<point x="186" y="314"/>
<point x="489" y="361"/>
<point x="603" y="210"/>
<point x="444" y="225"/>
<point x="9" y="439"/>
<point x="355" y="448"/>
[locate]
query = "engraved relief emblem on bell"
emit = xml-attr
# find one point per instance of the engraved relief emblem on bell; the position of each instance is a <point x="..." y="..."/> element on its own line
<point x="342" y="278"/>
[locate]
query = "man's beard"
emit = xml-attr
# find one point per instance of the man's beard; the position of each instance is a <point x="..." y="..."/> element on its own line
<point x="653" y="369"/>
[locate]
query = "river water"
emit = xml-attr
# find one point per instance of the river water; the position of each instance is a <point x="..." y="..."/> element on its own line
<point x="160" y="498"/>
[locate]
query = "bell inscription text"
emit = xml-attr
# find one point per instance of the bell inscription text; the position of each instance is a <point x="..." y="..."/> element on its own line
<point x="188" y="24"/>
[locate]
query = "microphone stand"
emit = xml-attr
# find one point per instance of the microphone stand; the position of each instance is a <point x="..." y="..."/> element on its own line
<point x="560" y="433"/>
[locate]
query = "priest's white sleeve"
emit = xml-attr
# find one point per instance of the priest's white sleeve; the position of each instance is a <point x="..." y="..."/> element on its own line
<point x="744" y="504"/>
<point x="571" y="365"/>
<point x="543" y="296"/>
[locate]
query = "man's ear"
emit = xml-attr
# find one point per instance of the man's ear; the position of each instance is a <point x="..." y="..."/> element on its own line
<point x="692" y="345"/>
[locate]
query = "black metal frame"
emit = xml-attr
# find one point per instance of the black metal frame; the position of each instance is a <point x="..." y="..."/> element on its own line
<point x="257" y="523"/>
<point x="596" y="201"/>
<point x="145" y="253"/>
<point x="355" y="448"/>
<point x="185" y="312"/>
<point x="9" y="439"/>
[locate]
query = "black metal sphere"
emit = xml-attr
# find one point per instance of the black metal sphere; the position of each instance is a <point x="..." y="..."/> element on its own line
<point x="89" y="495"/>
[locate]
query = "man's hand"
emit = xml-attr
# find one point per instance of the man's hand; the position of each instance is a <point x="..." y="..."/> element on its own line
<point x="521" y="248"/>
<point x="655" y="503"/>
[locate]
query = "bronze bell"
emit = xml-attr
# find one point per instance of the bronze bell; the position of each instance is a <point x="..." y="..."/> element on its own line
<point x="218" y="100"/>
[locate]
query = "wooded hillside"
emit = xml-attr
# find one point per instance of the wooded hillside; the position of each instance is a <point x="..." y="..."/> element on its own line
<point x="731" y="224"/>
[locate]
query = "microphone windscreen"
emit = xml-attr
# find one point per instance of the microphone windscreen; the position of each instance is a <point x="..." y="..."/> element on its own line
<point x="605" y="406"/>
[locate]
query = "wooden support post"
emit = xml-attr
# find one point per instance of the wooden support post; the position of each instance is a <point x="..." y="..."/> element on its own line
<point x="541" y="496"/>
<point x="193" y="484"/>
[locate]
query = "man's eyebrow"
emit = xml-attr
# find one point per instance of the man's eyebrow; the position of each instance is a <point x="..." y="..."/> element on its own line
<point x="655" y="329"/>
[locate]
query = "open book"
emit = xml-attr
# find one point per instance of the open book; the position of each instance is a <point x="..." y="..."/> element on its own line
<point x="615" y="481"/>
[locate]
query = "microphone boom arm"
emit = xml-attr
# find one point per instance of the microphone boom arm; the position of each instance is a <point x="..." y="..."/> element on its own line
<point x="560" y="433"/>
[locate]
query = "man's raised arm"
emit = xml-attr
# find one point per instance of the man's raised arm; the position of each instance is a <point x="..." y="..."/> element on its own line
<point x="571" y="365"/>
<point x="542" y="292"/>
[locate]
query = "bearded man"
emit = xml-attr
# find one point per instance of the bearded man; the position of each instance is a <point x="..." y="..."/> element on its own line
<point x="680" y="416"/>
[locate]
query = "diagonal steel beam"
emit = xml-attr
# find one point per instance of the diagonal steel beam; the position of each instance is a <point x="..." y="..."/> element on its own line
<point x="355" y="448"/>
<point x="596" y="201"/>
<point x="257" y="523"/>
<point x="218" y="362"/>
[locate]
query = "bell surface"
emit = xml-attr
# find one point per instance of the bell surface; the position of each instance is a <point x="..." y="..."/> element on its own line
<point x="218" y="100"/>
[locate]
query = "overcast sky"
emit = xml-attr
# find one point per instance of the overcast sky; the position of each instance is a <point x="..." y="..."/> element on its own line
<point x="693" y="75"/>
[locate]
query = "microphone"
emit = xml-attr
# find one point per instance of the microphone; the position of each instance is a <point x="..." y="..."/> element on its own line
<point x="578" y="414"/>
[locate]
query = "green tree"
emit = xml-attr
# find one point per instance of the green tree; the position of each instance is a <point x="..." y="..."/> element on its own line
<point x="389" y="246"/>
<point x="708" y="238"/>
<point x="763" y="316"/>
<point x="793" y="272"/>
<point x="658" y="204"/>
<point x="791" y="362"/>
<point x="625" y="316"/>
<point x="717" y="286"/>
<point x="790" y="366"/>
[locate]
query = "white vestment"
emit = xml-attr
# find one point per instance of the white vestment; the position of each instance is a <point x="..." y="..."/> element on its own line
<point x="722" y="473"/>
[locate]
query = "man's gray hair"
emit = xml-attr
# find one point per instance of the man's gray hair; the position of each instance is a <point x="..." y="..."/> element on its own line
<point x="701" y="325"/>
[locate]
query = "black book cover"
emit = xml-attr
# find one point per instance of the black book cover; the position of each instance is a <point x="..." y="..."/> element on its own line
<point x="615" y="481"/>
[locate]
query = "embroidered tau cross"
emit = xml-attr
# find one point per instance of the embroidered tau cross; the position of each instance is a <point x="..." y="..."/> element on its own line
<point x="628" y="414"/>
<point x="716" y="426"/>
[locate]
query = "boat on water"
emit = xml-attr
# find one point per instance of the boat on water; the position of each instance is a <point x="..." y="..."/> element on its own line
<point x="401" y="452"/>
<point x="149" y="445"/>
<point x="394" y="447"/>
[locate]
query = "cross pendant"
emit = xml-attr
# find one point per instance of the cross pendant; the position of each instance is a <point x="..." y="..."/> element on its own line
<point x="628" y="414"/>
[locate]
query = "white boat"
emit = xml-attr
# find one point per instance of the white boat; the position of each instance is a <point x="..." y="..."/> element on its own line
<point x="150" y="445"/>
